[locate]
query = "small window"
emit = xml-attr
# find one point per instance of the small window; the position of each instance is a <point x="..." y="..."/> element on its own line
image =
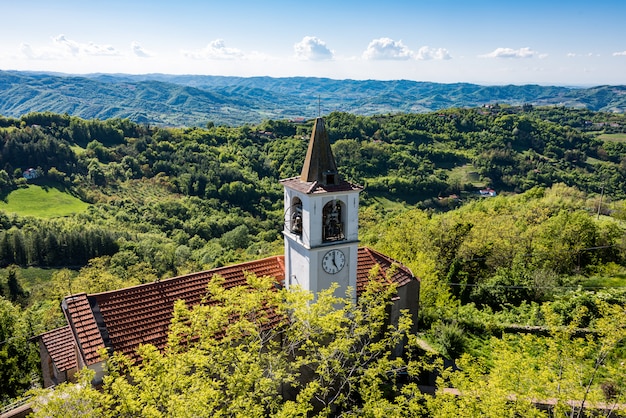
<point x="332" y="221"/>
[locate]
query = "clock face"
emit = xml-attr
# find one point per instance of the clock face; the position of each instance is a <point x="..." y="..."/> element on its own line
<point x="333" y="261"/>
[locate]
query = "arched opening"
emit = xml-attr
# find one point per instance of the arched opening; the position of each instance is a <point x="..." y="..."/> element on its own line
<point x="332" y="221"/>
<point x="295" y="225"/>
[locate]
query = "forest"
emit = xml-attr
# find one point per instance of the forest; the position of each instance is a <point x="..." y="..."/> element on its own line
<point x="535" y="275"/>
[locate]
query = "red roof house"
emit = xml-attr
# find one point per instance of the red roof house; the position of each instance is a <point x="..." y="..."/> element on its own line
<point x="121" y="320"/>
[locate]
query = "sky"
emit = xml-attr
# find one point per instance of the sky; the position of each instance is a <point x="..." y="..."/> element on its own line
<point x="565" y="43"/>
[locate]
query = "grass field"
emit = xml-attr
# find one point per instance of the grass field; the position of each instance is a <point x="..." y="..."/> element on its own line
<point x="593" y="161"/>
<point x="31" y="277"/>
<point x="617" y="280"/>
<point x="390" y="205"/>
<point x="41" y="202"/>
<point x="613" y="137"/>
<point x="466" y="174"/>
<point x="608" y="275"/>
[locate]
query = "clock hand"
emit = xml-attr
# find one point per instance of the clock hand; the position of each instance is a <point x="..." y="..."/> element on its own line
<point x="334" y="263"/>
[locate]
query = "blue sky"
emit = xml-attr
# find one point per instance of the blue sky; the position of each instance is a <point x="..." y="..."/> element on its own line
<point x="486" y="42"/>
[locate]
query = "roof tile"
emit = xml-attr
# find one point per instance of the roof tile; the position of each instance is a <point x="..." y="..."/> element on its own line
<point x="369" y="258"/>
<point x="83" y="322"/>
<point x="60" y="345"/>
<point x="142" y="314"/>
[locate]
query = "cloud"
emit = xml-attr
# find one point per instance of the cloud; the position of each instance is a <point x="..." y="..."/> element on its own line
<point x="217" y="50"/>
<point x="573" y="55"/>
<point x="311" y="48"/>
<point x="89" y="49"/>
<point x="139" y="51"/>
<point x="387" y="49"/>
<point x="30" y="53"/>
<point x="512" y="53"/>
<point x="428" y="53"/>
<point x="64" y="48"/>
<point x="619" y="54"/>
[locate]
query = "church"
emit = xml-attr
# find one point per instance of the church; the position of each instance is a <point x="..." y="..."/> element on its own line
<point x="321" y="248"/>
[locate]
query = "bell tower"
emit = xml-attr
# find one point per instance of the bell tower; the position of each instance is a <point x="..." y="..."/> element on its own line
<point x="321" y="222"/>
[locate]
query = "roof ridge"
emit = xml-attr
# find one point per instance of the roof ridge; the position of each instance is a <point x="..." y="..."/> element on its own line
<point x="53" y="331"/>
<point x="199" y="274"/>
<point x="89" y="338"/>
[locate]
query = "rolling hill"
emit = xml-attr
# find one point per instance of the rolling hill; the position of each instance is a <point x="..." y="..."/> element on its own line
<point x="194" y="100"/>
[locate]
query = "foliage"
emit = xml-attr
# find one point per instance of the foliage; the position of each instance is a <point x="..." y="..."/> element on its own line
<point x="15" y="292"/>
<point x="260" y="351"/>
<point x="54" y="243"/>
<point x="166" y="201"/>
<point x="19" y="358"/>
<point x="451" y="339"/>
<point x="505" y="250"/>
<point x="209" y="181"/>
<point x="571" y="374"/>
<point x="80" y="399"/>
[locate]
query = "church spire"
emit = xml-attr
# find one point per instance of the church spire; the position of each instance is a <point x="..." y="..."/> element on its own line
<point x="319" y="164"/>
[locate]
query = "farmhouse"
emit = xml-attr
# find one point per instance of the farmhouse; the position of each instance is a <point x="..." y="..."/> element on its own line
<point x="321" y="248"/>
<point x="30" y="174"/>
<point x="488" y="192"/>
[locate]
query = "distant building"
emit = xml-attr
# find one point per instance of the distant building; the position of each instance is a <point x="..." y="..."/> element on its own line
<point x="321" y="248"/>
<point x="488" y="192"/>
<point x="30" y="174"/>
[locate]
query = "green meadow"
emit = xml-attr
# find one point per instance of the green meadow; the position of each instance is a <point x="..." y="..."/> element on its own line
<point x="619" y="137"/>
<point x="41" y="202"/>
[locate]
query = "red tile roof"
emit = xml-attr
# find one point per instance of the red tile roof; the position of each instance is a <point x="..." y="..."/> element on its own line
<point x="368" y="258"/>
<point x="142" y="314"/>
<point x="60" y="345"/>
<point x="81" y="319"/>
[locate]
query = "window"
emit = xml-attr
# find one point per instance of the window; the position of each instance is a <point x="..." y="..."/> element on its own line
<point x="332" y="221"/>
<point x="330" y="176"/>
<point x="296" y="216"/>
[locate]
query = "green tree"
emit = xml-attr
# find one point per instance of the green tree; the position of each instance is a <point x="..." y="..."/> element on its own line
<point x="96" y="175"/>
<point x="93" y="278"/>
<point x="72" y="400"/>
<point x="5" y="181"/>
<point x="18" y="356"/>
<point x="574" y="375"/>
<point x="16" y="293"/>
<point x="258" y="351"/>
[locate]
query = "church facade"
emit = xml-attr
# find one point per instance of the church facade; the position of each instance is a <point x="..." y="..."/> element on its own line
<point x="321" y="248"/>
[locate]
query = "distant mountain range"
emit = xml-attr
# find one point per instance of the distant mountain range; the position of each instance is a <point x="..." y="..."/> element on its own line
<point x="194" y="100"/>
